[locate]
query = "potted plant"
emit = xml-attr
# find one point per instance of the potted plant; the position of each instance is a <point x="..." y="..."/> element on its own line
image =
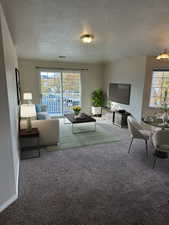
<point x="76" y="110"/>
<point x="97" y="102"/>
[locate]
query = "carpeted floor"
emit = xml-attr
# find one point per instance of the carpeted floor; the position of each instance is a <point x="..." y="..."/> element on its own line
<point x="98" y="184"/>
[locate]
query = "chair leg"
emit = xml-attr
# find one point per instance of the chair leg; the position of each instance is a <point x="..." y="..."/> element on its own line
<point x="154" y="163"/>
<point x="146" y="148"/>
<point x="130" y="145"/>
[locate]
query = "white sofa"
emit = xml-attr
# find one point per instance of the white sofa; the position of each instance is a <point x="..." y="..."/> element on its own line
<point x="49" y="130"/>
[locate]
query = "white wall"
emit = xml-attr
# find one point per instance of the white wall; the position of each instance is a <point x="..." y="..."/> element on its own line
<point x="9" y="160"/>
<point x="129" y="70"/>
<point x="91" y="79"/>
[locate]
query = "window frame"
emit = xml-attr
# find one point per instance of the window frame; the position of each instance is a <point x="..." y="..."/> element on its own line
<point x="61" y="71"/>
<point x="155" y="70"/>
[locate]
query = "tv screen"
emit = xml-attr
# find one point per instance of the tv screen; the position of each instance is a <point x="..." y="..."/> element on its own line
<point x="119" y="93"/>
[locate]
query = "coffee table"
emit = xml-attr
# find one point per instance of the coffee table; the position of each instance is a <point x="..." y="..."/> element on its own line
<point x="84" y="118"/>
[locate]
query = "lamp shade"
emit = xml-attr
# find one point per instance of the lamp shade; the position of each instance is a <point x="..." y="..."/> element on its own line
<point x="27" y="110"/>
<point x="27" y="96"/>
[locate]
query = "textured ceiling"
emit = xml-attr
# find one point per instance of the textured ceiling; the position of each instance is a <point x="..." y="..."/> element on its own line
<point x="45" y="29"/>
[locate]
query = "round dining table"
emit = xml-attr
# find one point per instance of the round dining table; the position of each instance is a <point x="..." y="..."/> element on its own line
<point x="156" y="123"/>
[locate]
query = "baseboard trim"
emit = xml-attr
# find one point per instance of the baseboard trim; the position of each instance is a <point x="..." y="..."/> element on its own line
<point x="14" y="197"/>
<point x="17" y="178"/>
<point x="8" y="203"/>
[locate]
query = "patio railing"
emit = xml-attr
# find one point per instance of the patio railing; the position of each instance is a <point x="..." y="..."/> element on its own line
<point x="54" y="103"/>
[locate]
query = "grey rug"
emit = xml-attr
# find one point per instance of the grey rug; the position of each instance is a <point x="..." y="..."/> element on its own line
<point x="104" y="134"/>
<point x="92" y="185"/>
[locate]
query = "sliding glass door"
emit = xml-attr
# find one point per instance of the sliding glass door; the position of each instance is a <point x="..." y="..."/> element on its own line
<point x="71" y="90"/>
<point x="60" y="91"/>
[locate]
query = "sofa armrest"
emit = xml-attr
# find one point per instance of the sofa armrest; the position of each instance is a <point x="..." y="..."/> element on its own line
<point x="49" y="130"/>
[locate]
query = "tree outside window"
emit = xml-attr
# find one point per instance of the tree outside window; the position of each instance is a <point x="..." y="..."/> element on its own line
<point x="159" y="88"/>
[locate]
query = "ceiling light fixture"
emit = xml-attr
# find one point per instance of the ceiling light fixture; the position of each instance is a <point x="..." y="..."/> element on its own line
<point x="87" y="38"/>
<point x="163" y="55"/>
<point x="62" y="57"/>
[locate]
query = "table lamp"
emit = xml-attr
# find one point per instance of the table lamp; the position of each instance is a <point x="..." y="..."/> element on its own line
<point x="27" y="96"/>
<point x="28" y="111"/>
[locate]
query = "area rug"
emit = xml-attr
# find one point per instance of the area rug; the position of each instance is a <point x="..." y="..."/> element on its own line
<point x="86" y="137"/>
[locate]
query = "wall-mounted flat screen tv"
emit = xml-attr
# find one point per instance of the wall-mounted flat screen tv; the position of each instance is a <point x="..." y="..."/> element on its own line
<point x="120" y="93"/>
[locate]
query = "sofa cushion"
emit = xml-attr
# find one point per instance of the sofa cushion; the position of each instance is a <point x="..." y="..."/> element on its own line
<point x="43" y="108"/>
<point x="38" y="108"/>
<point x="42" y="116"/>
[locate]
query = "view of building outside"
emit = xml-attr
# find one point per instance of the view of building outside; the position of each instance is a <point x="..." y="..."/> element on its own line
<point x="159" y="86"/>
<point x="60" y="91"/>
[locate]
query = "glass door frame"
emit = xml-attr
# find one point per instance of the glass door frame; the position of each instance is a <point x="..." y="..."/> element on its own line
<point x="61" y="84"/>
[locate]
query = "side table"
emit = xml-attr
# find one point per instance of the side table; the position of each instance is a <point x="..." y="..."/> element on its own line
<point x="120" y="118"/>
<point x="29" y="137"/>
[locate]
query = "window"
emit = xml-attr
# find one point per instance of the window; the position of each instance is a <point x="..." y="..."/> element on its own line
<point x="159" y="86"/>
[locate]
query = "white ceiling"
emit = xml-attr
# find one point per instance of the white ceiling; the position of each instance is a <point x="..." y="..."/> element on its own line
<point x="45" y="29"/>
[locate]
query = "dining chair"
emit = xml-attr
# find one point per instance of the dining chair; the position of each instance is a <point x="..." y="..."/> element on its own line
<point x="161" y="143"/>
<point x="137" y="132"/>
